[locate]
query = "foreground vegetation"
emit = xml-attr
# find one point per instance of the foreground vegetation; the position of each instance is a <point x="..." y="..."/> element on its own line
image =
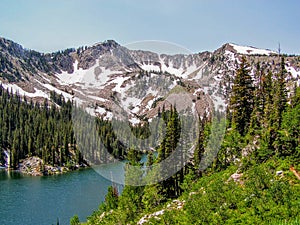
<point x="259" y="197"/>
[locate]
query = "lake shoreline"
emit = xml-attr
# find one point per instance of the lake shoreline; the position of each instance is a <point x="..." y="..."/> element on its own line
<point x="34" y="166"/>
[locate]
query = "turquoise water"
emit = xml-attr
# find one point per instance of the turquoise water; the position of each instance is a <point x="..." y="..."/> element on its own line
<point x="26" y="200"/>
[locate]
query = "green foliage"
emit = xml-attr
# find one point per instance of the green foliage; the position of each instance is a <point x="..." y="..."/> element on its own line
<point x="112" y="198"/>
<point x="231" y="148"/>
<point x="152" y="197"/>
<point x="130" y="204"/>
<point x="260" y="198"/>
<point x="75" y="220"/>
<point x="241" y="101"/>
<point x="290" y="129"/>
<point x="42" y="130"/>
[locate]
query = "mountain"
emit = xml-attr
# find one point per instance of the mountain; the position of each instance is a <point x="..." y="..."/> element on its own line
<point x="107" y="76"/>
<point x="248" y="179"/>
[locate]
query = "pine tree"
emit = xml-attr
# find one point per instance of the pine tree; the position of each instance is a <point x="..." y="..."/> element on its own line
<point x="279" y="104"/>
<point x="153" y="190"/>
<point x="259" y="100"/>
<point x="130" y="202"/>
<point x="200" y="147"/>
<point x="290" y="129"/>
<point x="241" y="100"/>
<point x="267" y="132"/>
<point x="111" y="198"/>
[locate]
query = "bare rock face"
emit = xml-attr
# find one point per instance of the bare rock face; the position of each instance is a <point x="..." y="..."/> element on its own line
<point x="32" y="166"/>
<point x="65" y="63"/>
<point x="88" y="57"/>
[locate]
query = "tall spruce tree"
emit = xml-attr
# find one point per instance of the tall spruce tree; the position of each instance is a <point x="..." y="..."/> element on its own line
<point x="267" y="131"/>
<point x="241" y="100"/>
<point x="279" y="104"/>
<point x="200" y="147"/>
<point x="259" y="100"/>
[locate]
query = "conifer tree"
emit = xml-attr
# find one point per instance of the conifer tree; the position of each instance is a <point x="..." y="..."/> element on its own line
<point x="130" y="202"/>
<point x="241" y="100"/>
<point x="279" y="104"/>
<point x="259" y="101"/>
<point x="290" y="129"/>
<point x="111" y="198"/>
<point x="200" y="147"/>
<point x="267" y="132"/>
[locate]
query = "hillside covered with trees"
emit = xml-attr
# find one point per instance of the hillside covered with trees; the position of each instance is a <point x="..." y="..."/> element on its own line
<point x="253" y="180"/>
<point x="46" y="130"/>
<point x="34" y="129"/>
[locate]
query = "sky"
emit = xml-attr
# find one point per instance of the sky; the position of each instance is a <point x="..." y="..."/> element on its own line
<point x="197" y="25"/>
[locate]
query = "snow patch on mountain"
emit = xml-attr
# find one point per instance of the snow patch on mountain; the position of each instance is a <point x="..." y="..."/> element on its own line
<point x="134" y="121"/>
<point x="166" y="65"/>
<point x="150" y="67"/>
<point x="198" y="75"/>
<point x="230" y="55"/>
<point x="247" y="50"/>
<point x="100" y="110"/>
<point x="119" y="81"/>
<point x="97" y="98"/>
<point x="18" y="90"/>
<point x="295" y="73"/>
<point x="64" y="94"/>
<point x="183" y="71"/>
<point x="65" y="78"/>
<point x="95" y="76"/>
<point x="90" y="111"/>
<point x="109" y="116"/>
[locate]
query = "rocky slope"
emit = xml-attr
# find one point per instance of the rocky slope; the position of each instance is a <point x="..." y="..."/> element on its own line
<point x="107" y="78"/>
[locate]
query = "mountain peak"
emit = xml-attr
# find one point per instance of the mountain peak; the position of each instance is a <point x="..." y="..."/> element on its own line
<point x="105" y="74"/>
<point x="249" y="50"/>
<point x="108" y="43"/>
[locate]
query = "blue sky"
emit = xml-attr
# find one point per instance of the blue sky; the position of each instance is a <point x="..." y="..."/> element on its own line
<point x="49" y="25"/>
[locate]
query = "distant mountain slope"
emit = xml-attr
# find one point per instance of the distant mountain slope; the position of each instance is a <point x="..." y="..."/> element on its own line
<point x="107" y="76"/>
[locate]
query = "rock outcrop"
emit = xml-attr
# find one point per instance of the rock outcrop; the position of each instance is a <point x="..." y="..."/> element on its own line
<point x="34" y="166"/>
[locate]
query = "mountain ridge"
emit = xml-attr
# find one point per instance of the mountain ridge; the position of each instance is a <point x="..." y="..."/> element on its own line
<point x="107" y="75"/>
